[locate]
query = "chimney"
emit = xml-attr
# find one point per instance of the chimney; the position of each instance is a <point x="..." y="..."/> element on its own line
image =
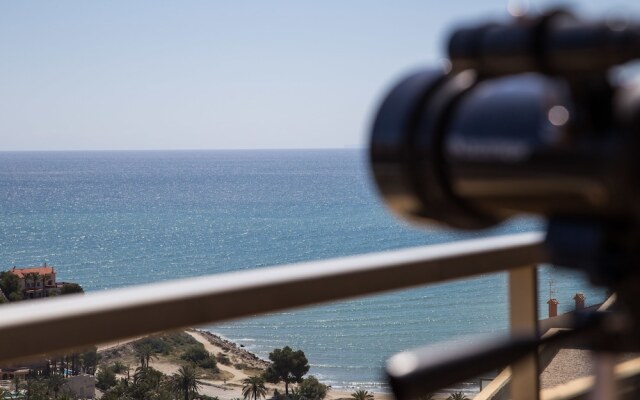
<point x="553" y="307"/>
<point x="579" y="299"/>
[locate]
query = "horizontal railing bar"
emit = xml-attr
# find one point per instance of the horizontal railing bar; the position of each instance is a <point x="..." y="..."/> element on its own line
<point x="31" y="328"/>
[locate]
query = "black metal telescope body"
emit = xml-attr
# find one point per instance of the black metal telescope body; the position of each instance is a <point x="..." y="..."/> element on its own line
<point x="529" y="119"/>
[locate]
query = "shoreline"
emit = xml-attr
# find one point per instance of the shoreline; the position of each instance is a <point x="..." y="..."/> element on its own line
<point x="227" y="384"/>
<point x="238" y="350"/>
<point x="334" y="393"/>
<point x="243" y="364"/>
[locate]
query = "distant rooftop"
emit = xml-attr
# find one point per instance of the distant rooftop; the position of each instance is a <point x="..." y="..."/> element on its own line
<point x="44" y="270"/>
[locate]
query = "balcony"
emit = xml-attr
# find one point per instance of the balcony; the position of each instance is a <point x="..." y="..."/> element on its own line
<point x="80" y="320"/>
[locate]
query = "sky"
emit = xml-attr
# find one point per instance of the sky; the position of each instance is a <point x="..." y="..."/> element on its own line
<point x="156" y="75"/>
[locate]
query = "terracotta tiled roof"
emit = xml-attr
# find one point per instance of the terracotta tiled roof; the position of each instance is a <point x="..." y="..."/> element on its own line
<point x="21" y="272"/>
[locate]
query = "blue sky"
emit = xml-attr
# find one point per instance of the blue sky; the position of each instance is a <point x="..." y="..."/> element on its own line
<point x="88" y="75"/>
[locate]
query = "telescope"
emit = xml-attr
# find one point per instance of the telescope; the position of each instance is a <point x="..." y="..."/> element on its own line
<point x="532" y="117"/>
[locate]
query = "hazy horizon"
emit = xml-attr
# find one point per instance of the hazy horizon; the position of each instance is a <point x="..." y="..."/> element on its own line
<point x="198" y="75"/>
<point x="360" y="148"/>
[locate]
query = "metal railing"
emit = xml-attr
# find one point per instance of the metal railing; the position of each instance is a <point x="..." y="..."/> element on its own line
<point x="32" y="328"/>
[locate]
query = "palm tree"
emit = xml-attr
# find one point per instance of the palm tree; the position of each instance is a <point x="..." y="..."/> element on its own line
<point x="45" y="278"/>
<point x="31" y="277"/>
<point x="362" y="395"/>
<point x="16" y="383"/>
<point x="144" y="354"/>
<point x="254" y="386"/>
<point x="457" y="396"/>
<point x="185" y="382"/>
<point x="55" y="383"/>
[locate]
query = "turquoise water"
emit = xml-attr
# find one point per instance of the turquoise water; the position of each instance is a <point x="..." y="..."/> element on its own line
<point x="112" y="219"/>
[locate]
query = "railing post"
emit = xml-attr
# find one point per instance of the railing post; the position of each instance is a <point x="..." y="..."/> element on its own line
<point x="523" y="313"/>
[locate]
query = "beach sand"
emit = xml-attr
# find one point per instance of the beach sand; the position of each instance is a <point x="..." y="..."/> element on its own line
<point x="230" y="388"/>
<point x="233" y="387"/>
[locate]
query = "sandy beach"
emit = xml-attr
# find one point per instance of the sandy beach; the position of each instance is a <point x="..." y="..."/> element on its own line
<point x="230" y="386"/>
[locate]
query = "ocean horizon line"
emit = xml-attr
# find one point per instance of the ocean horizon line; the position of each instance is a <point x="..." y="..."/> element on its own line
<point x="229" y="149"/>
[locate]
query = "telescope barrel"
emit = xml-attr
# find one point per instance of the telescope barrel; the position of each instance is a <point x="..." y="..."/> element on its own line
<point x="469" y="151"/>
<point x="556" y="44"/>
<point x="530" y="120"/>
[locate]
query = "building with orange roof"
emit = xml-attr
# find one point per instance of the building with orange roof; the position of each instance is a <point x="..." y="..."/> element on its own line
<point x="36" y="282"/>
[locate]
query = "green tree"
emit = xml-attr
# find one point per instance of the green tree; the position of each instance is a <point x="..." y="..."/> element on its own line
<point x="106" y="378"/>
<point x="199" y="356"/>
<point x="146" y="383"/>
<point x="44" y="278"/>
<point x="67" y="395"/>
<point x="312" y="389"/>
<point x="35" y="389"/>
<point x="118" y="367"/>
<point x="17" y="384"/>
<point x="90" y="360"/>
<point x="185" y="382"/>
<point x="69" y="288"/>
<point x="457" y="396"/>
<point x="5" y="394"/>
<point x="117" y="392"/>
<point x="253" y="386"/>
<point x="10" y="285"/>
<point x="55" y="383"/>
<point x="362" y="395"/>
<point x="144" y="353"/>
<point x="30" y="279"/>
<point x="287" y="366"/>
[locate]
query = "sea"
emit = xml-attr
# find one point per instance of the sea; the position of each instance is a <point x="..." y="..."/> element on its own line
<point x="114" y="219"/>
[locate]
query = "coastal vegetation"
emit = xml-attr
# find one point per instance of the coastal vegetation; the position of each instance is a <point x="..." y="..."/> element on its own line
<point x="185" y="382"/>
<point x="151" y="358"/>
<point x="458" y="396"/>
<point x="144" y="356"/>
<point x="310" y="389"/>
<point x="70" y="288"/>
<point x="147" y="382"/>
<point x="253" y="388"/>
<point x="176" y="348"/>
<point x="13" y="287"/>
<point x="48" y="379"/>
<point x="9" y="284"/>
<point x="197" y="355"/>
<point x="287" y="366"/>
<point x="362" y="395"/>
<point x="176" y="366"/>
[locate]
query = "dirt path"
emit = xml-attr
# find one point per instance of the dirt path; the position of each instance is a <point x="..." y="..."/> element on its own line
<point x="238" y="375"/>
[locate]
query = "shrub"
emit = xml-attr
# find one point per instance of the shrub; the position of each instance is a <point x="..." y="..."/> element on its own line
<point x="157" y="344"/>
<point x="311" y="389"/>
<point x="208" y="363"/>
<point x="10" y="286"/>
<point x="68" y="288"/>
<point x="199" y="356"/>
<point x="223" y="359"/>
<point x="195" y="354"/>
<point x="106" y="378"/>
<point x="118" y="367"/>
